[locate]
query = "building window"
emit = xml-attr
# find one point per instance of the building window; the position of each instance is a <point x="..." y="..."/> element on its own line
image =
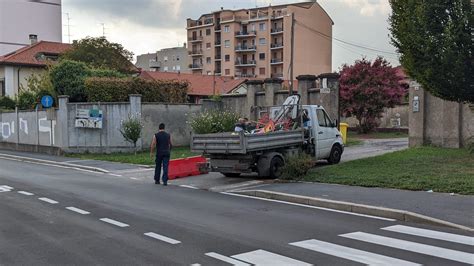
<point x="178" y="67"/>
<point x="261" y="56"/>
<point x="165" y="58"/>
<point x="227" y="58"/>
<point x="227" y="28"/>
<point x="208" y="60"/>
<point x="227" y="72"/>
<point x="262" y="27"/>
<point x="208" y="45"/>
<point x="261" y="71"/>
<point x="165" y="68"/>
<point x="200" y="33"/>
<point x="177" y="58"/>
<point x="262" y="41"/>
<point x="253" y="26"/>
<point x="208" y="32"/>
<point x="227" y="43"/>
<point x="174" y="67"/>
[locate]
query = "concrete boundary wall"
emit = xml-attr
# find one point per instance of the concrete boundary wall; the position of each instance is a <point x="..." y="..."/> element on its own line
<point x="31" y="131"/>
<point x="433" y="121"/>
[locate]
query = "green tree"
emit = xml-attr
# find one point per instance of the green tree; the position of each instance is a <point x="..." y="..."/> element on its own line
<point x="100" y="53"/>
<point x="68" y="79"/>
<point x="366" y="88"/>
<point x="40" y="85"/>
<point x="435" y="45"/>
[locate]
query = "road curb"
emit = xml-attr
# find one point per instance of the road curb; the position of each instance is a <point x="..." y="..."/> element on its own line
<point x="396" y="214"/>
<point x="63" y="164"/>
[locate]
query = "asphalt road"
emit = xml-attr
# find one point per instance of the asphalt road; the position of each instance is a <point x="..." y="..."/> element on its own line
<point x="51" y="215"/>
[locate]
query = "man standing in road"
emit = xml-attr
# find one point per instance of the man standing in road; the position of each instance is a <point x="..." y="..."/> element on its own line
<point x="162" y="141"/>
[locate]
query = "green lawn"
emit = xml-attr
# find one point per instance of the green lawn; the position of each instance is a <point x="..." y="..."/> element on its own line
<point x="425" y="168"/>
<point x="141" y="157"/>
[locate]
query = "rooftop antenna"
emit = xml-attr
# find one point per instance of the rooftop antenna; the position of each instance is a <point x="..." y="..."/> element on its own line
<point x="103" y="29"/>
<point x="68" y="27"/>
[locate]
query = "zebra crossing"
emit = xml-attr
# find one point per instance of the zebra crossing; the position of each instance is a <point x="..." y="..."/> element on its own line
<point x="264" y="257"/>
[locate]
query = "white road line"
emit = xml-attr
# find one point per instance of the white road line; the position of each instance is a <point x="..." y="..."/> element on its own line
<point x="134" y="170"/>
<point x="74" y="209"/>
<point x="115" y="175"/>
<point x="263" y="257"/>
<point x="188" y="186"/>
<point x="466" y="240"/>
<point x="413" y="247"/>
<point x="361" y="256"/>
<point x="26" y="193"/>
<point x="134" y="178"/>
<point x="195" y="264"/>
<point x="162" y="238"/>
<point x="48" y="200"/>
<point x="226" y="259"/>
<point x="116" y="223"/>
<point x="311" y="207"/>
<point x="7" y="187"/>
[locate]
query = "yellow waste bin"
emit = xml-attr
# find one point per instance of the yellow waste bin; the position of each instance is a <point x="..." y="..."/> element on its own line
<point x="343" y="128"/>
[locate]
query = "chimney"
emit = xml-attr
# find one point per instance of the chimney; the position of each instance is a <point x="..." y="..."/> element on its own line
<point x="33" y="38"/>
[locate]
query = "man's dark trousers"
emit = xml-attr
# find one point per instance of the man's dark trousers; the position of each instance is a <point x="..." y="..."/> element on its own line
<point x="162" y="159"/>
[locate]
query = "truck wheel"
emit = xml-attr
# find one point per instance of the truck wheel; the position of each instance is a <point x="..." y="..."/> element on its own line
<point x="335" y="156"/>
<point x="231" y="174"/>
<point x="276" y="166"/>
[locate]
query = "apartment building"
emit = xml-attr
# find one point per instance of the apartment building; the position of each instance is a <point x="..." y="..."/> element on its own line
<point x="256" y="42"/>
<point x="173" y="59"/>
<point x="22" y="19"/>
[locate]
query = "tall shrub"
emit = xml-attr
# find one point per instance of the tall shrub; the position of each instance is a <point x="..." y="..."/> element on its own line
<point x="213" y="121"/>
<point x="131" y="131"/>
<point x="118" y="90"/>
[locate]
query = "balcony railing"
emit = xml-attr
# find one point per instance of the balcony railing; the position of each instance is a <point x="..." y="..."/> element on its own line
<point x="245" y="62"/>
<point x="276" y="30"/>
<point x="240" y="75"/>
<point x="195" y="66"/>
<point x="195" y="39"/>
<point x="217" y="28"/>
<point x="245" y="48"/>
<point x="154" y="64"/>
<point x="277" y="14"/>
<point x="276" y="45"/>
<point x="218" y="57"/>
<point x="195" y="52"/>
<point x="217" y="43"/>
<point x="276" y="61"/>
<point x="245" y="33"/>
<point x="277" y="75"/>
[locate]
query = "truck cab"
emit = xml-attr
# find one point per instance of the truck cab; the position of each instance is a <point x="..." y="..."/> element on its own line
<point x="322" y="137"/>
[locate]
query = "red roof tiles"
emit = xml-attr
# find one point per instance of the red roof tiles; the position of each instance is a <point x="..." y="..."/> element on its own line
<point x="29" y="55"/>
<point x="199" y="84"/>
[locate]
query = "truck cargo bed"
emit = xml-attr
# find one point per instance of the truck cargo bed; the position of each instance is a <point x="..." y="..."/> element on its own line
<point x="240" y="143"/>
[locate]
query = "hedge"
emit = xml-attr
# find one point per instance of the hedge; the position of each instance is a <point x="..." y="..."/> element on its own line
<point x="99" y="89"/>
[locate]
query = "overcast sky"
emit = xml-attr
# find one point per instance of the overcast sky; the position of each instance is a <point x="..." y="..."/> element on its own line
<point x="144" y="26"/>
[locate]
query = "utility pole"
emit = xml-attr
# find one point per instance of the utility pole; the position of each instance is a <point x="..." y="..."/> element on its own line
<point x="292" y="51"/>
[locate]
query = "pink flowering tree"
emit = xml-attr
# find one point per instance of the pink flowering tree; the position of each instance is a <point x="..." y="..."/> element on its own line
<point x="367" y="88"/>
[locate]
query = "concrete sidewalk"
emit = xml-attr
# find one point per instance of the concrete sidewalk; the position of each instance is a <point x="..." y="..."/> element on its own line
<point x="458" y="209"/>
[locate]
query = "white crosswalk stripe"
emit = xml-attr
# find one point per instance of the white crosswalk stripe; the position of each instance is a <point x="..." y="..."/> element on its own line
<point x="434" y="251"/>
<point x="361" y="256"/>
<point x="466" y="240"/>
<point x="263" y="257"/>
<point x="223" y="258"/>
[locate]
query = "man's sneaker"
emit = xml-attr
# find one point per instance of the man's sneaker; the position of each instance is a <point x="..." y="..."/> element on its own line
<point x="157" y="182"/>
<point x="165" y="184"/>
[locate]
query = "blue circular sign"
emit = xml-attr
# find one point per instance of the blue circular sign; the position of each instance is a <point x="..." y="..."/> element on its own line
<point x="47" y="101"/>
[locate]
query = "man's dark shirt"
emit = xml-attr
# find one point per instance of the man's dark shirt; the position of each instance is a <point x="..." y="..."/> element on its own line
<point x="163" y="143"/>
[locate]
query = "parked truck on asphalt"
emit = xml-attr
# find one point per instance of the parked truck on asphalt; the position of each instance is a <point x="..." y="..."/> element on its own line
<point x="235" y="153"/>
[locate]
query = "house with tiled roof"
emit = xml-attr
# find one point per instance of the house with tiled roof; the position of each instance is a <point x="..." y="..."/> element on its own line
<point x="17" y="66"/>
<point x="200" y="86"/>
